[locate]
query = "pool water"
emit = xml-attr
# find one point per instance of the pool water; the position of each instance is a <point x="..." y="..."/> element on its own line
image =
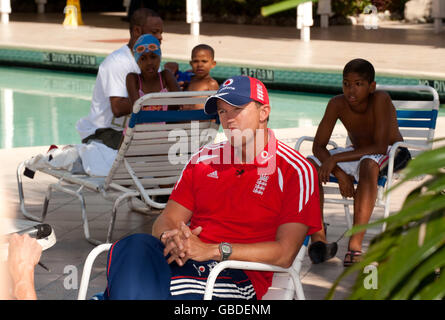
<point x="41" y="107"/>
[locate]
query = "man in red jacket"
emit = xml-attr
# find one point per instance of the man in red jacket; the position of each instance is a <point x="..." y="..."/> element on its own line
<point x="249" y="198"/>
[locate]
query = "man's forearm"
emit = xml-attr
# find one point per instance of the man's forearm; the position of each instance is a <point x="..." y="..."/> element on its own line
<point x="161" y="225"/>
<point x="171" y="218"/>
<point x="321" y="153"/>
<point x="120" y="106"/>
<point x="24" y="285"/>
<point x="264" y="252"/>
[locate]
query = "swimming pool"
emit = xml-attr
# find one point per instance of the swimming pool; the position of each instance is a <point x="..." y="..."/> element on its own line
<point x="41" y="107"/>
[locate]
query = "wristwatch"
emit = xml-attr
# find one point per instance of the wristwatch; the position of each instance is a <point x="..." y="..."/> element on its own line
<point x="225" y="249"/>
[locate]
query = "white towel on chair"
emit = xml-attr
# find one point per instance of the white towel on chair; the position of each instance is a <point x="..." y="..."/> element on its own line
<point x="56" y="158"/>
<point x="97" y="158"/>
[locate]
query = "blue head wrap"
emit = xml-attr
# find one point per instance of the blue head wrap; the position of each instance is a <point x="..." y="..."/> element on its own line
<point x="146" y="43"/>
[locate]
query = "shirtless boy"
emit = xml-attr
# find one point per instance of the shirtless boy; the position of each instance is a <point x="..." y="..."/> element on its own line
<point x="371" y="122"/>
<point x="202" y="62"/>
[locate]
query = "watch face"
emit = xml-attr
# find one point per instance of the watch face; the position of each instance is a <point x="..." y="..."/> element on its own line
<point x="225" y="248"/>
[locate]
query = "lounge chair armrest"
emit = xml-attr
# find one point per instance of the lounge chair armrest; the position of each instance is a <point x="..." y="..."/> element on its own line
<point x="87" y="268"/>
<point x="392" y="154"/>
<point x="308" y="138"/>
<point x="401" y="144"/>
<point x="243" y="265"/>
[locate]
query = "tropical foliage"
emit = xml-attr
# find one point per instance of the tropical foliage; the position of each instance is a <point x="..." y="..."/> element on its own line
<point x="341" y="8"/>
<point x="282" y="6"/>
<point x="411" y="252"/>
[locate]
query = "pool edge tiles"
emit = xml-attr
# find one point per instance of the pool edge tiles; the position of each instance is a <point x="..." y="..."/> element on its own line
<point x="53" y="59"/>
<point x="299" y="79"/>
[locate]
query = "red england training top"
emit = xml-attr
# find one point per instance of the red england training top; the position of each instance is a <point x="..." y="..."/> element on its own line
<point x="246" y="203"/>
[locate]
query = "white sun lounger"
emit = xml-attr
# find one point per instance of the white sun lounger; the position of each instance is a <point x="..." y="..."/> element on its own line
<point x="156" y="146"/>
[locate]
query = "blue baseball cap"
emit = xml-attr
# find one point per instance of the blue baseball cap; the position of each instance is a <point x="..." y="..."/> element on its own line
<point x="146" y="43"/>
<point x="238" y="91"/>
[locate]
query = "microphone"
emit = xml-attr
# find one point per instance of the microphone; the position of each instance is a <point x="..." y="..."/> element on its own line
<point x="39" y="231"/>
<point x="239" y="172"/>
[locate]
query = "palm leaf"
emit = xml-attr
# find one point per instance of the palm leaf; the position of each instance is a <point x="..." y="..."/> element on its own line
<point x="435" y="290"/>
<point x="281" y="6"/>
<point x="428" y="162"/>
<point x="418" y="204"/>
<point x="397" y="255"/>
<point x="376" y="253"/>
<point x="409" y="255"/>
<point x="429" y="266"/>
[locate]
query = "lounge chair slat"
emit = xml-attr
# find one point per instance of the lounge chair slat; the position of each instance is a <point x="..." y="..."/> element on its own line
<point x="151" y="182"/>
<point x="171" y="148"/>
<point x="416" y="114"/>
<point x="149" y="173"/>
<point x="135" y="159"/>
<point x="420" y="143"/>
<point x="411" y="133"/>
<point x="413" y="104"/>
<point x="139" y="140"/>
<point x="143" y="134"/>
<point x="174" y="101"/>
<point x="151" y="166"/>
<point x="331" y="190"/>
<point x="93" y="183"/>
<point x="416" y="123"/>
<point x="164" y="129"/>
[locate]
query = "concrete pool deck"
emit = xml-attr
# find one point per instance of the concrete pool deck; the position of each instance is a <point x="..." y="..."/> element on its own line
<point x="67" y="256"/>
<point x="406" y="50"/>
<point x="411" y="50"/>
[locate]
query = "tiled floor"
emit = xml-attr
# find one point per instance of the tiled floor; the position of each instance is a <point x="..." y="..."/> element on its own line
<point x="66" y="258"/>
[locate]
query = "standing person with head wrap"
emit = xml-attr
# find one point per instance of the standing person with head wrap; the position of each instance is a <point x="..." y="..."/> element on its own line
<point x="110" y="104"/>
<point x="147" y="54"/>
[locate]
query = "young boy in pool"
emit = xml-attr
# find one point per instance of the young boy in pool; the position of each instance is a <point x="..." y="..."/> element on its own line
<point x="202" y="62"/>
<point x="147" y="53"/>
<point x="371" y="122"/>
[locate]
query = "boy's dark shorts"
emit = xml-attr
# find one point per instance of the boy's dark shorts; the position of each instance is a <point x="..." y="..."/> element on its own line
<point x="403" y="156"/>
<point x="108" y="136"/>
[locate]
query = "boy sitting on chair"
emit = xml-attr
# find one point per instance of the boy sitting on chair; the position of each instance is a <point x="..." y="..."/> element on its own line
<point x="371" y="122"/>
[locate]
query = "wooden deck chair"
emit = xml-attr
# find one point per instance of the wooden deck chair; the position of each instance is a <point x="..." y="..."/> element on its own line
<point x="155" y="148"/>
<point x="286" y="283"/>
<point x="417" y="122"/>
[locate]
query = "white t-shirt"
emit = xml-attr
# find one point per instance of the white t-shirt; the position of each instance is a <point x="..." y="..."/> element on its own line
<point x="110" y="82"/>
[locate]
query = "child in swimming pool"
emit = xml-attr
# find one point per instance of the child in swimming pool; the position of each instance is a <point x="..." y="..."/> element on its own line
<point x="147" y="53"/>
<point x="202" y="62"/>
<point x="371" y="122"/>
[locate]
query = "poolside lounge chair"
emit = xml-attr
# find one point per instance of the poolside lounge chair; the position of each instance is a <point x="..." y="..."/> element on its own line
<point x="149" y="161"/>
<point x="286" y="283"/>
<point x="417" y="122"/>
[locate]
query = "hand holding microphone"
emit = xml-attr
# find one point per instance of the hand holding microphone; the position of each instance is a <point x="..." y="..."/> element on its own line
<point x="39" y="231"/>
<point x="24" y="248"/>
